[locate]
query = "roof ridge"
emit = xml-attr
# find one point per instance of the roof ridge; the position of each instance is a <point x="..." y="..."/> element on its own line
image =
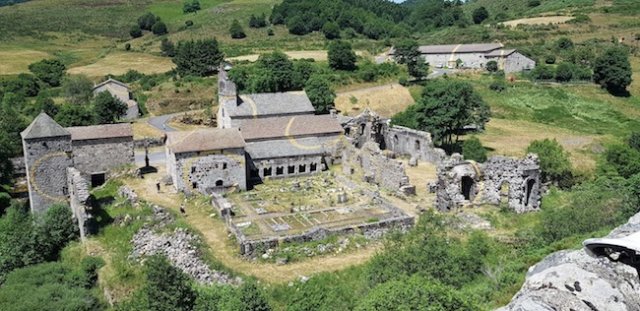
<point x="44" y="126"/>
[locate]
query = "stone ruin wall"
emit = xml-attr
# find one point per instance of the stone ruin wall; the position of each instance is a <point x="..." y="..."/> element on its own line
<point x="79" y="200"/>
<point x="378" y="168"/>
<point x="412" y="143"/>
<point x="515" y="182"/>
<point x="206" y="171"/>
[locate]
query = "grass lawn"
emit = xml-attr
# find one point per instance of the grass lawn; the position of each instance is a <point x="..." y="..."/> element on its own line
<point x="118" y="63"/>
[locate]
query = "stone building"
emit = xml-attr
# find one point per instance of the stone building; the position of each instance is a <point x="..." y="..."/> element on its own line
<point x="50" y="149"/>
<point x="99" y="148"/>
<point x="473" y="56"/>
<point x="501" y="180"/>
<point x="122" y="92"/>
<point x="207" y="160"/>
<point x="290" y="146"/>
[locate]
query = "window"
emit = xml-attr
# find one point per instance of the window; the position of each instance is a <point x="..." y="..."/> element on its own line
<point x="219" y="183"/>
<point x="194" y="185"/>
<point x="291" y="169"/>
<point x="280" y="170"/>
<point x="224" y="166"/>
<point x="313" y="167"/>
<point x="97" y="179"/>
<point x="302" y="168"/>
<point x="266" y="172"/>
<point x="193" y="169"/>
<point x="417" y="145"/>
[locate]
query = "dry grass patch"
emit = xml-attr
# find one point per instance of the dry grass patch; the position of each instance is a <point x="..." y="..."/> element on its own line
<point x="142" y="129"/>
<point x="512" y="137"/>
<point x="544" y="20"/>
<point x="386" y="100"/>
<point x="119" y="63"/>
<point x="318" y="55"/>
<point x="17" y="61"/>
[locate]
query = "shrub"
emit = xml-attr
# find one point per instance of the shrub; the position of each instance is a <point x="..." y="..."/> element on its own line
<point x="270" y="32"/>
<point x="564" y="43"/>
<point x="197" y="58"/>
<point x="550" y="59"/>
<point x="582" y="73"/>
<point x="159" y="28"/>
<point x="188" y="23"/>
<point x="77" y="89"/>
<point x="498" y="85"/>
<point x="542" y="72"/>
<point x="236" y="30"/>
<point x="297" y="26"/>
<point x="147" y="21"/>
<point x="533" y="3"/>
<point x="127" y="46"/>
<point x="624" y="159"/>
<point x="403" y="81"/>
<point x="191" y="6"/>
<point x="480" y="14"/>
<point x="49" y="71"/>
<point x="564" y="72"/>
<point x="107" y="108"/>
<point x="166" y="287"/>
<point x="472" y="149"/>
<point x="634" y="140"/>
<point x="492" y="66"/>
<point x="554" y="162"/>
<point x="167" y="47"/>
<point x="135" y="31"/>
<point x="258" y="22"/>
<point x="612" y="70"/>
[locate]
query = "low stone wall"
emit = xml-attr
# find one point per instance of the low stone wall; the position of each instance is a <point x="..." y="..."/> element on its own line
<point x="149" y="142"/>
<point x="19" y="168"/>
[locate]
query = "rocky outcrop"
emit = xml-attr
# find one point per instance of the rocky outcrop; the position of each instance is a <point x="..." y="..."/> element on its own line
<point x="128" y="194"/>
<point x="572" y="280"/>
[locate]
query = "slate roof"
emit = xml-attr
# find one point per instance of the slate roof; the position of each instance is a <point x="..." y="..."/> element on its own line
<point x="500" y="52"/>
<point x="266" y="104"/>
<point x="294" y="126"/>
<point x="102" y="131"/>
<point x="204" y="140"/>
<point x="284" y="148"/>
<point x="44" y="126"/>
<point x="456" y="48"/>
<point x="110" y="81"/>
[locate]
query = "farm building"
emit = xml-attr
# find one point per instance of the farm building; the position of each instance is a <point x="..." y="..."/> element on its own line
<point x="474" y="56"/>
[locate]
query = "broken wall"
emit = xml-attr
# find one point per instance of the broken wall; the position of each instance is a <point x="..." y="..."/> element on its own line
<point x="206" y="173"/>
<point x="79" y="200"/>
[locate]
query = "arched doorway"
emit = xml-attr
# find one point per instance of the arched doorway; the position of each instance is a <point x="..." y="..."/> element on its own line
<point x="467" y="187"/>
<point x="219" y="183"/>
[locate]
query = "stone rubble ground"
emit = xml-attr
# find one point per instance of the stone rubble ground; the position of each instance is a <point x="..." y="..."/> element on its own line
<point x="179" y="247"/>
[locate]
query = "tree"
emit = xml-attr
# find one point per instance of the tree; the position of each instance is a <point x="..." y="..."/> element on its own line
<point x="55" y="230"/>
<point x="542" y="72"/>
<point x="159" y="28"/>
<point x="198" y="58"/>
<point x="191" y="6"/>
<point x="612" y="70"/>
<point x="480" y="14"/>
<point x="275" y="73"/>
<point x="406" y="51"/>
<point x="44" y="103"/>
<point x="472" y="149"/>
<point x="258" y="22"/>
<point x="550" y="59"/>
<point x="236" y="30"/>
<point x="168" y="48"/>
<point x="24" y="84"/>
<point x="533" y="3"/>
<point x="75" y="115"/>
<point x="418" y="68"/>
<point x="297" y="26"/>
<point x="409" y="293"/>
<point x="492" y="66"/>
<point x="564" y="72"/>
<point x="166" y="287"/>
<point x="17" y="240"/>
<point x="107" y="108"/>
<point x="50" y="71"/>
<point x="331" y="30"/>
<point x="341" y="56"/>
<point x="147" y="21"/>
<point x="320" y="93"/>
<point x="135" y="31"/>
<point x="554" y="161"/>
<point x="446" y="107"/>
<point x="78" y="89"/>
<point x="564" y="43"/>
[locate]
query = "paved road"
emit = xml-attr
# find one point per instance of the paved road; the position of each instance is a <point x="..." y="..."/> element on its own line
<point x="438" y="72"/>
<point x="160" y="122"/>
<point x="154" y="157"/>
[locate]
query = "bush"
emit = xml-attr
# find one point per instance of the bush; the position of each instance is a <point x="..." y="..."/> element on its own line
<point x="634" y="140"/>
<point x="270" y="32"/>
<point x="297" y="26"/>
<point x="191" y="7"/>
<point x="492" y="66"/>
<point x="480" y="14"/>
<point x="403" y="81"/>
<point x="147" y="21"/>
<point x="582" y="73"/>
<point x="197" y="58"/>
<point x="564" y="43"/>
<point x="167" y="47"/>
<point x="498" y="85"/>
<point x="624" y="159"/>
<point x="612" y="70"/>
<point x="236" y="30"/>
<point x="166" y="287"/>
<point x="554" y="162"/>
<point x="127" y="46"/>
<point x="472" y="149"/>
<point x="564" y="72"/>
<point x="188" y="23"/>
<point x="159" y="28"/>
<point x="135" y="31"/>
<point x="77" y="89"/>
<point x="258" y="22"/>
<point x="320" y="93"/>
<point x="533" y="3"/>
<point x="550" y="59"/>
<point x="542" y="72"/>
<point x="107" y="108"/>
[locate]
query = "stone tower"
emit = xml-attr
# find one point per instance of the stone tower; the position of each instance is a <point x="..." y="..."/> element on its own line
<point x="227" y="96"/>
<point x="47" y="154"/>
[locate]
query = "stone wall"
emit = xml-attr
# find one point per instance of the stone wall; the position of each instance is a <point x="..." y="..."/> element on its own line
<point x="47" y="160"/>
<point x="285" y="167"/>
<point x="377" y="167"/>
<point x="79" y="200"/>
<point x="102" y="155"/>
<point x="412" y="143"/>
<point x="514" y="182"/>
<point x="517" y="62"/>
<point x="207" y="173"/>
